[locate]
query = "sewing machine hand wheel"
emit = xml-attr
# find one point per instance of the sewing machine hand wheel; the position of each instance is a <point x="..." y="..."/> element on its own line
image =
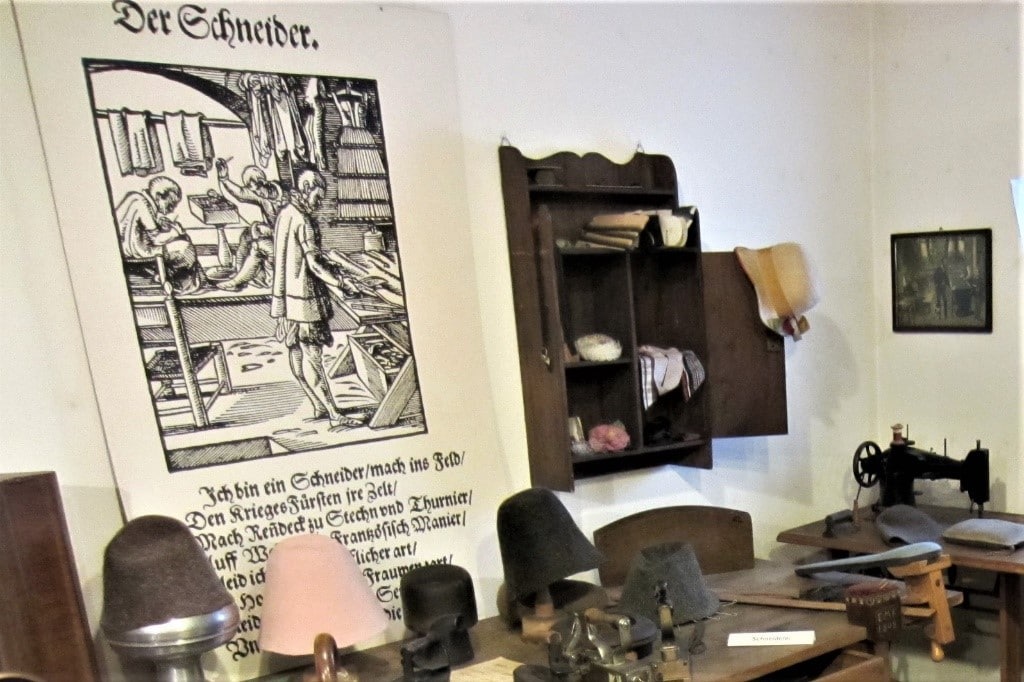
<point x="866" y="460"/>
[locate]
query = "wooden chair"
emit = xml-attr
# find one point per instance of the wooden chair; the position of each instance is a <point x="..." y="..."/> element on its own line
<point x="722" y="539"/>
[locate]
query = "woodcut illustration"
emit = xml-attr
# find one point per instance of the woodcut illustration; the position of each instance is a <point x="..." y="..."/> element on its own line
<point x="254" y="219"/>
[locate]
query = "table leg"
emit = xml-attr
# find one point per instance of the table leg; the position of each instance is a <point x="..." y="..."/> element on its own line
<point x="1011" y="631"/>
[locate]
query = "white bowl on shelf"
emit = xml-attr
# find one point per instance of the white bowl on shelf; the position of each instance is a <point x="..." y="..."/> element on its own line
<point x="598" y="348"/>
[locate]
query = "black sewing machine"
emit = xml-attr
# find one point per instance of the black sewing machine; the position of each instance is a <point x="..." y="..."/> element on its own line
<point x="901" y="464"/>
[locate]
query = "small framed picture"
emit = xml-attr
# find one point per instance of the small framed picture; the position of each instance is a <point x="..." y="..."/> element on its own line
<point x="942" y="281"/>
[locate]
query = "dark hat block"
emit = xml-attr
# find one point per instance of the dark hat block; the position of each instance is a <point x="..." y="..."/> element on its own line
<point x="153" y="571"/>
<point x="675" y="564"/>
<point x="540" y="543"/>
<point x="429" y="594"/>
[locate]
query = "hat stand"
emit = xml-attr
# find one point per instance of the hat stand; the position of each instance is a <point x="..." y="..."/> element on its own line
<point x="163" y="603"/>
<point x="175" y="647"/>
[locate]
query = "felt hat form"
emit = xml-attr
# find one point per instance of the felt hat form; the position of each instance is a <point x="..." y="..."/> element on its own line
<point x="906" y="524"/>
<point x="429" y="595"/>
<point x="540" y="543"/>
<point x="540" y="546"/>
<point x="162" y="600"/>
<point x="673" y="564"/>
<point x="314" y="585"/>
<point x="783" y="284"/>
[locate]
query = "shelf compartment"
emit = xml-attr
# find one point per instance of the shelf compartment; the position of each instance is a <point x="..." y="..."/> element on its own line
<point x="603" y="394"/>
<point x="596" y="298"/>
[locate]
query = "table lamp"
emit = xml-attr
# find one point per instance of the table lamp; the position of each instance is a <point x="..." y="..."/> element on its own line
<point x="315" y="592"/>
<point x="540" y="546"/>
<point x="162" y="601"/>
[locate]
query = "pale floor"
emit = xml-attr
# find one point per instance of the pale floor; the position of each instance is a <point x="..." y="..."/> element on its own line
<point x="973" y="657"/>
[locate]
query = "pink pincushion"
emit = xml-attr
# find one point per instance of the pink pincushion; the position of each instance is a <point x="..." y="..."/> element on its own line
<point x="608" y="438"/>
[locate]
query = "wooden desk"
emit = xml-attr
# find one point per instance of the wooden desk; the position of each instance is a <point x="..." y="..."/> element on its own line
<point x="1008" y="566"/>
<point x="718" y="663"/>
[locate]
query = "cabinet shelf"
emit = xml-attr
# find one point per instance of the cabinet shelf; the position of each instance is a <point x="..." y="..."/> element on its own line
<point x="600" y="190"/>
<point x="585" y="251"/>
<point x="639" y="297"/>
<point x="585" y="364"/>
<point x="684" y="453"/>
<point x="674" y="447"/>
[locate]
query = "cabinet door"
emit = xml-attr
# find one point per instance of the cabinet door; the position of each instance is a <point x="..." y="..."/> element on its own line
<point x="747" y="372"/>
<point x="541" y="367"/>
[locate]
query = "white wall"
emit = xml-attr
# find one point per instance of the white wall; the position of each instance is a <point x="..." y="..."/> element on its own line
<point x="947" y="141"/>
<point x="767" y="111"/>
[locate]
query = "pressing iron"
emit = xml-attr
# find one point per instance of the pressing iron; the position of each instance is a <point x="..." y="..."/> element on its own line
<point x="839" y="523"/>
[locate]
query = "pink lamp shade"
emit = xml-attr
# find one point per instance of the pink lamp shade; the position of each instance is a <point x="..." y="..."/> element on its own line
<point x="314" y="586"/>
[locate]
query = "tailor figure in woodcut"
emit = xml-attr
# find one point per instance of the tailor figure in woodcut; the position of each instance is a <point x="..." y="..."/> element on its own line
<point x="300" y="301"/>
<point x="148" y="231"/>
<point x="253" y="260"/>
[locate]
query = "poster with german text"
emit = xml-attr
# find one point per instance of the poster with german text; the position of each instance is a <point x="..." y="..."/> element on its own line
<point x="264" y="218"/>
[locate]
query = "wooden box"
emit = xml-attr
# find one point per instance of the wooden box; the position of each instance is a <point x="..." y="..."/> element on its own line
<point x="377" y="360"/>
<point x="213" y="209"/>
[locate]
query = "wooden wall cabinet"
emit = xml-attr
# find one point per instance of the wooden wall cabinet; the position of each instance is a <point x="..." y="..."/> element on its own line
<point x="665" y="297"/>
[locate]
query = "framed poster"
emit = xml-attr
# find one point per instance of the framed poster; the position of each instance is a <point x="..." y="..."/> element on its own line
<point x="942" y="281"/>
<point x="265" y="225"/>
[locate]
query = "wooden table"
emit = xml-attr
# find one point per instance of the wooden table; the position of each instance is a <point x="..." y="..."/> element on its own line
<point x="1008" y="566"/>
<point x="719" y="663"/>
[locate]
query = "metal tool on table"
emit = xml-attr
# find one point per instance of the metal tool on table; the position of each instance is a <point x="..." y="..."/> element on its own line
<point x="840" y="522"/>
<point x="672" y="666"/>
<point x="598" y="646"/>
<point x="623" y="653"/>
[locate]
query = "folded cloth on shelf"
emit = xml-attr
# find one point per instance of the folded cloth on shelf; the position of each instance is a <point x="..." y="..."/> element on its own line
<point x="664" y="369"/>
<point x="673" y="227"/>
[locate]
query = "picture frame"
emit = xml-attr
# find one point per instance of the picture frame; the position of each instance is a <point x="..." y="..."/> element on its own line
<point x="942" y="281"/>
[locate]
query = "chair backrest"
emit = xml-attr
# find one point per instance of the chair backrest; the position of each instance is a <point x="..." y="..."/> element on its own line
<point x="722" y="539"/>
